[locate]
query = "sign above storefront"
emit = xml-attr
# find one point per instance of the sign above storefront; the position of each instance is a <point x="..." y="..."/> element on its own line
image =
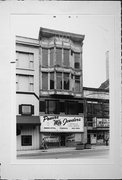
<point x="100" y="122"/>
<point x="61" y="124"/>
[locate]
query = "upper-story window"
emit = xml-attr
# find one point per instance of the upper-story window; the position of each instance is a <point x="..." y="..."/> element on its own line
<point x="59" y="106"/>
<point x="105" y="108"/>
<point x="58" y="56"/>
<point x="98" y="109"/>
<point x="52" y="57"/>
<point x="24" y="60"/>
<point x="24" y="82"/>
<point x="44" y="81"/>
<point x="52" y="80"/>
<point x="66" y="57"/>
<point x="44" y="57"/>
<point x="77" y="60"/>
<point x="77" y="83"/>
<point x="66" y="81"/>
<point x="52" y="107"/>
<point x="58" y="80"/>
<point x="26" y="109"/>
<point x="71" y="107"/>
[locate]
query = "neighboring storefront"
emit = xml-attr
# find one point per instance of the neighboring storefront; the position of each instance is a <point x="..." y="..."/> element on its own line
<point x="61" y="130"/>
<point x="97" y="117"/>
<point x="100" y="131"/>
<point x="28" y="132"/>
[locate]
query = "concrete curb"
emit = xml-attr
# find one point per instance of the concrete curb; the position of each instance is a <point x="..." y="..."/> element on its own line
<point x="57" y="150"/>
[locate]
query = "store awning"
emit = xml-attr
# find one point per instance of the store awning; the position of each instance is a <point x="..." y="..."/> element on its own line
<point x="32" y="120"/>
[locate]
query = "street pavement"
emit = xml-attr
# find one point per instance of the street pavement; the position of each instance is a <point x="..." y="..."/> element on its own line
<point x="65" y="152"/>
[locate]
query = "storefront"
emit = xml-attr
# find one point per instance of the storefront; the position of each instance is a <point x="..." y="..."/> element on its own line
<point x="28" y="132"/>
<point x="100" y="131"/>
<point x="61" y="130"/>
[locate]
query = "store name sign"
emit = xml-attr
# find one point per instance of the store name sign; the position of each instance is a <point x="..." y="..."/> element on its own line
<point x="100" y="122"/>
<point x="62" y="123"/>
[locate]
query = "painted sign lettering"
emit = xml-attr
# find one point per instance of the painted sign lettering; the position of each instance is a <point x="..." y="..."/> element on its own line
<point x="62" y="123"/>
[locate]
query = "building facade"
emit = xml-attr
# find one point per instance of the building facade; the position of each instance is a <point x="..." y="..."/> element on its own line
<point x="27" y="93"/>
<point x="97" y="115"/>
<point x="61" y="88"/>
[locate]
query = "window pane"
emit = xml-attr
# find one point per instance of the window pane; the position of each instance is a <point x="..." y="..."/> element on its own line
<point x="44" y="81"/>
<point x="105" y="108"/>
<point x="62" y="107"/>
<point x="97" y="109"/>
<point x="26" y="109"/>
<point x="23" y="83"/>
<point x="80" y="107"/>
<point x="72" y="108"/>
<point x="66" y="57"/>
<point x="52" y="107"/>
<point x="66" y="81"/>
<point x="59" y="80"/>
<point x="51" y="80"/>
<point x="51" y="56"/>
<point x="26" y="140"/>
<point x="77" y="83"/>
<point x="77" y="60"/>
<point x="42" y="106"/>
<point x="89" y="109"/>
<point x="23" y="60"/>
<point x="44" y="57"/>
<point x="58" y="56"/>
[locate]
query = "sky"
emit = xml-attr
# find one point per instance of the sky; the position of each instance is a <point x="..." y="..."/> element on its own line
<point x="97" y="29"/>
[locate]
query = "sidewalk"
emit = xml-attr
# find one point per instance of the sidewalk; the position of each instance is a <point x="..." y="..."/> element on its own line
<point x="60" y="149"/>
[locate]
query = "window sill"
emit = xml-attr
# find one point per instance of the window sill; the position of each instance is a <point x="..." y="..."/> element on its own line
<point x="24" y="69"/>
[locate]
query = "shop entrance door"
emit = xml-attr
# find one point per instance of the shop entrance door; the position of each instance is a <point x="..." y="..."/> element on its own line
<point x="62" y="140"/>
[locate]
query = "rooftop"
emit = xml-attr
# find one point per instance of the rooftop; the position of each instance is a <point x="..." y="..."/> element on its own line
<point x="50" y="32"/>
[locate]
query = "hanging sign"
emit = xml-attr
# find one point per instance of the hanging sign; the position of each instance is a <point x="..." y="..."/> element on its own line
<point x="62" y="123"/>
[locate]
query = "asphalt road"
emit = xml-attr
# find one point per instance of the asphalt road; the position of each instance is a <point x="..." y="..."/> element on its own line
<point x="99" y="153"/>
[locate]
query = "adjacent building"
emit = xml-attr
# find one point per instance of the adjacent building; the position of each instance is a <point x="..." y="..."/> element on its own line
<point x="97" y="114"/>
<point x="27" y="93"/>
<point x="51" y="102"/>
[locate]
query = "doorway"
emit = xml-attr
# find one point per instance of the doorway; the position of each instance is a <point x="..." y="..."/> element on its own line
<point x="62" y="140"/>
